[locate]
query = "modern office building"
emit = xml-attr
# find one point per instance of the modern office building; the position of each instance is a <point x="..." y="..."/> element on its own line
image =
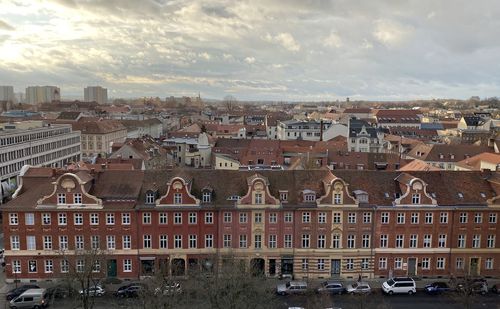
<point x="95" y="94"/>
<point x="42" y="94"/>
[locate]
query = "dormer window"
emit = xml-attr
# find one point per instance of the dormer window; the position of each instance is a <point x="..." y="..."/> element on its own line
<point x="483" y="195"/>
<point x="397" y="195"/>
<point x="61" y="198"/>
<point x="452" y="156"/>
<point x="433" y="194"/>
<point x="441" y="156"/>
<point x="258" y="198"/>
<point x="337" y="198"/>
<point x="460" y="195"/>
<point x="150" y="198"/>
<point x="284" y="196"/>
<point x="206" y="197"/>
<point x="386" y="195"/>
<point x="415" y="198"/>
<point x="77" y="198"/>
<point x="177" y="198"/>
<point x="309" y="197"/>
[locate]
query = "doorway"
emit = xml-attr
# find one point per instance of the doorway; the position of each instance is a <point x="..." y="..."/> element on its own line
<point x="257" y="266"/>
<point x="111" y="268"/>
<point x="335" y="269"/>
<point x="474" y="267"/>
<point x="412" y="267"/>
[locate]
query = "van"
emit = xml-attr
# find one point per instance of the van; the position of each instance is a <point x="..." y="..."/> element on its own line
<point x="399" y="285"/>
<point x="292" y="287"/>
<point x="32" y="298"/>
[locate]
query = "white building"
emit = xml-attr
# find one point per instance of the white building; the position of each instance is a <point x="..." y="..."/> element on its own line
<point x="95" y="94"/>
<point x="7" y="93"/>
<point x="363" y="137"/>
<point x="195" y="152"/>
<point x="37" y="144"/>
<point x="301" y="129"/>
<point x="42" y="94"/>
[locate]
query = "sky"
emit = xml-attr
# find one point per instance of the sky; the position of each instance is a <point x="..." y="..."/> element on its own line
<point x="280" y="50"/>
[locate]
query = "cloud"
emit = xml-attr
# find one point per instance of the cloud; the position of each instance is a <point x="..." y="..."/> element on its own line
<point x="333" y="40"/>
<point x="5" y="26"/>
<point x="390" y="33"/>
<point x="284" y="39"/>
<point x="250" y="60"/>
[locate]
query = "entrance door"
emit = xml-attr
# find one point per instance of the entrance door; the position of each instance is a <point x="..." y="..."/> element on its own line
<point x="474" y="267"/>
<point x="257" y="266"/>
<point x="287" y="267"/>
<point x="111" y="268"/>
<point x="335" y="269"/>
<point x="272" y="267"/>
<point x="412" y="270"/>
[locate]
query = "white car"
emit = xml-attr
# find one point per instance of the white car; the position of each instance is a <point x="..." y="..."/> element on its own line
<point x="358" y="288"/>
<point x="94" y="291"/>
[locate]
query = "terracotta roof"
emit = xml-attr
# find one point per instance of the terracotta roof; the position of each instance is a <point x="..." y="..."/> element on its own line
<point x="446" y="152"/>
<point x="357" y="110"/>
<point x="474" y="163"/>
<point x="98" y="127"/>
<point x="418" y="165"/>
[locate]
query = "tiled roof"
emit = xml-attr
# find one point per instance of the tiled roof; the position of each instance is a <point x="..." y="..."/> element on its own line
<point x="446" y="152"/>
<point x="98" y="127"/>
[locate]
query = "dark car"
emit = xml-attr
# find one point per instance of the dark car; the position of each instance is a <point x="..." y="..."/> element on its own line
<point x="61" y="291"/>
<point x="129" y="290"/>
<point x="496" y="288"/>
<point x="437" y="288"/>
<point x="331" y="287"/>
<point x="20" y="290"/>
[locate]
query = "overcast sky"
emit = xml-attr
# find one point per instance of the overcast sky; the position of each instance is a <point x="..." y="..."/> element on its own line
<point x="256" y="50"/>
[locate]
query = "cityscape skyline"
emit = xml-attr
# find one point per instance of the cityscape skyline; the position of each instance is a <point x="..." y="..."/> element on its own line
<point x="263" y="50"/>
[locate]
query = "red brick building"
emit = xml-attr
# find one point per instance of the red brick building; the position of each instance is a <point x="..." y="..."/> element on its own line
<point x="311" y="223"/>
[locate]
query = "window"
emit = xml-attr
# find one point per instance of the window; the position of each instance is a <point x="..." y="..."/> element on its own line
<point x="146" y="218"/>
<point x="16" y="266"/>
<point x="351" y="218"/>
<point x="209" y="218"/>
<point x="488" y="264"/>
<point x="63" y="242"/>
<point x="459" y="262"/>
<point x="428" y="217"/>
<point x="258" y="217"/>
<point x="64" y="266"/>
<point x="30" y="243"/>
<point x="163" y="218"/>
<point x="47" y="242"/>
<point x="306" y="240"/>
<point x="77" y="198"/>
<point x="177" y="198"/>
<point x="258" y="198"/>
<point x="80" y="266"/>
<point x="351" y="241"/>
<point x="365" y="263"/>
<point x="29" y="219"/>
<point x="321" y="241"/>
<point x="440" y="263"/>
<point x="400" y="218"/>
<point x="478" y="217"/>
<point x="177" y="241"/>
<point x="288" y="218"/>
<point x="337" y="218"/>
<point x="349" y="264"/>
<point x="384" y="218"/>
<point x="61" y="198"/>
<point x="476" y="241"/>
<point x="78" y="219"/>
<point x="306" y="217"/>
<point x="126" y="242"/>
<point x="94" y="219"/>
<point x="336" y="241"/>
<point x="46" y="219"/>
<point x="150" y="198"/>
<point x="427" y="241"/>
<point x="415" y="198"/>
<point x="426" y="263"/>
<point x="125" y="218"/>
<point x="367" y="217"/>
<point x="227" y="241"/>
<point x="192" y="241"/>
<point x="398" y="263"/>
<point x="192" y="218"/>
<point x="490" y="241"/>
<point x="209" y="241"/>
<point x="413" y="240"/>
<point x="49" y="266"/>
<point x="243" y="241"/>
<point x="272" y="241"/>
<point x="273" y="217"/>
<point x="283" y="196"/>
<point x="463" y="217"/>
<point x="206" y="197"/>
<point x="79" y="244"/>
<point x="14" y="242"/>
<point x="337" y="198"/>
<point x="382" y="263"/>
<point x="227" y="217"/>
<point x="305" y="264"/>
<point x="493" y="218"/>
<point x="322" y="217"/>
<point x="414" y="218"/>
<point x="177" y="218"/>
<point x="384" y="239"/>
<point x="442" y="241"/>
<point x="243" y="217"/>
<point x="146" y="244"/>
<point x="288" y="241"/>
<point x="111" y="243"/>
<point x="461" y="241"/>
<point x="321" y="264"/>
<point x="127" y="265"/>
<point x="443" y="218"/>
<point x="365" y="241"/>
<point x="309" y="197"/>
<point x="400" y="241"/>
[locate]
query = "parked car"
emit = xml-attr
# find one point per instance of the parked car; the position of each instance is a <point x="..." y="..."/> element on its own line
<point x="129" y="290"/>
<point x="20" y="290"/>
<point x="333" y="287"/>
<point x="94" y="291"/>
<point x="61" y="291"/>
<point x="399" y="285"/>
<point x="473" y="287"/>
<point x="358" y="288"/>
<point x="292" y="287"/>
<point x="31" y="298"/>
<point x="496" y="288"/>
<point x="437" y="287"/>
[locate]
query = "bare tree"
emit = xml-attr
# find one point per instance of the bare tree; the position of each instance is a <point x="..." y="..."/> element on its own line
<point x="230" y="103"/>
<point x="466" y="287"/>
